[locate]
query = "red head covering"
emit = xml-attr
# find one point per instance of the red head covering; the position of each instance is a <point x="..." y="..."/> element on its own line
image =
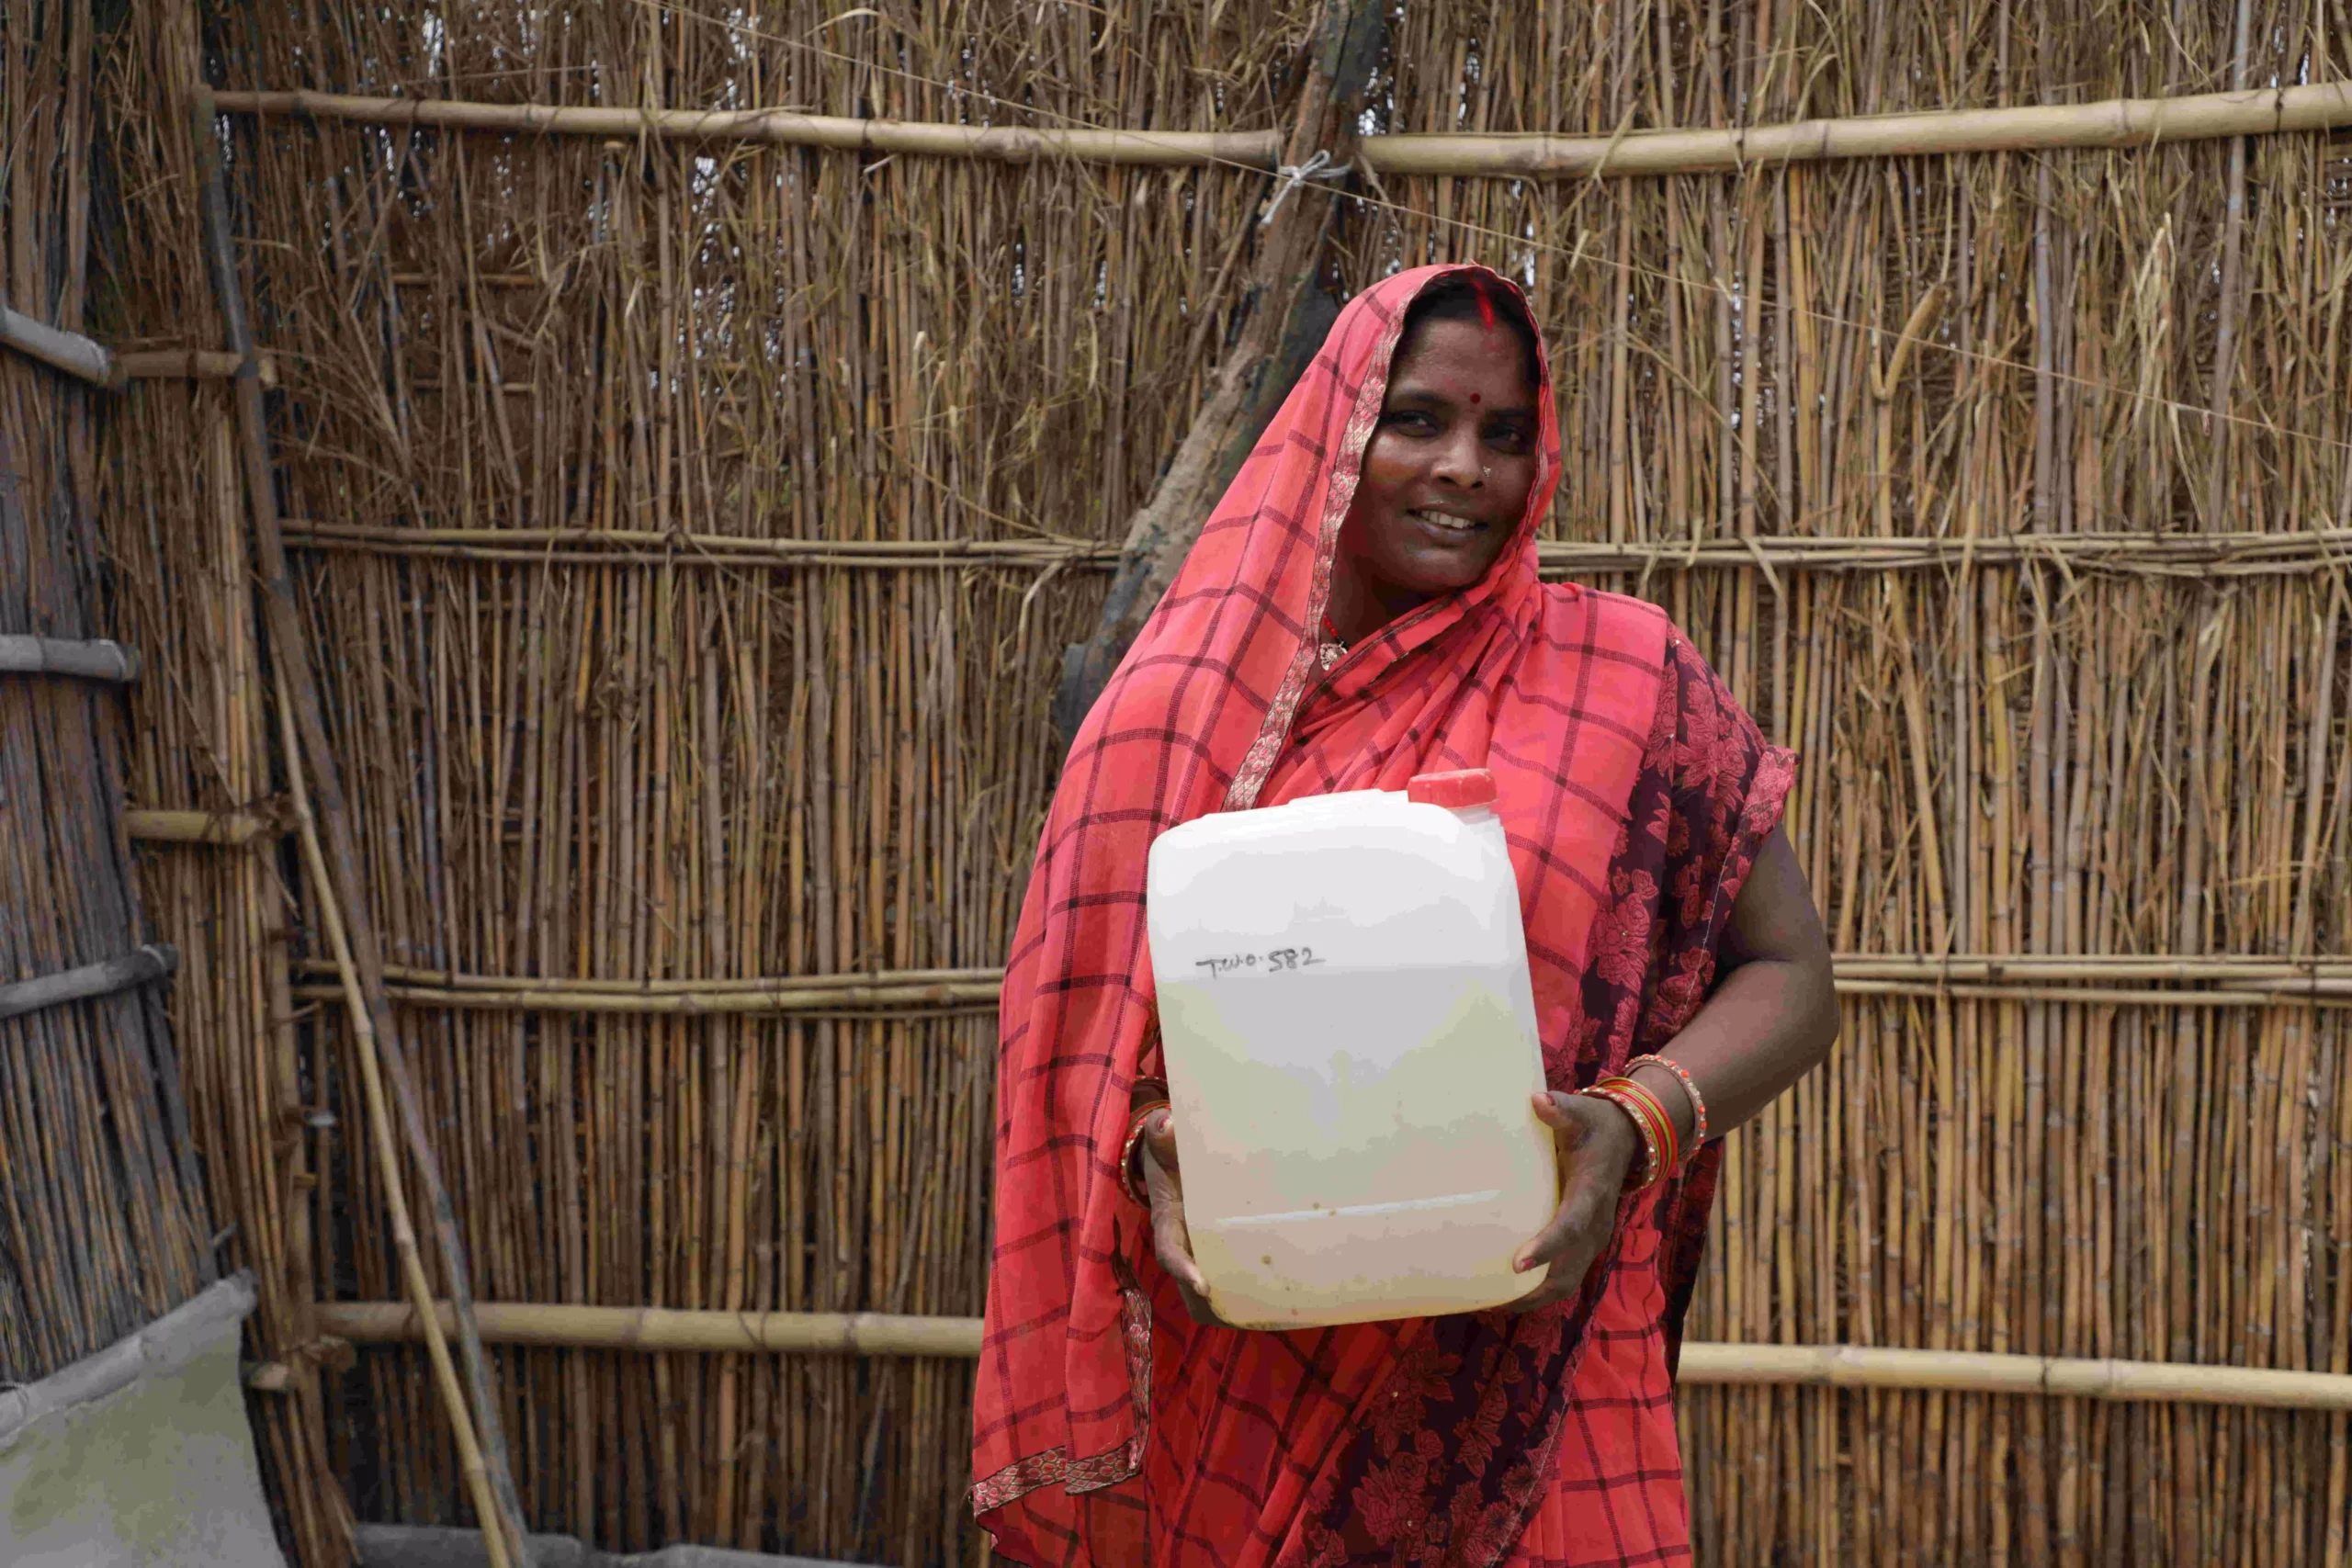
<point x="1222" y="703"/>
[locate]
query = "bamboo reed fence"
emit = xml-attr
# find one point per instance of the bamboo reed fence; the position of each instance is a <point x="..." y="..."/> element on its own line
<point x="103" y="1223"/>
<point x="687" y="531"/>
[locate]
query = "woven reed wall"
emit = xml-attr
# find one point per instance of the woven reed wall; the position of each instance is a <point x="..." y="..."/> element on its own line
<point x="583" y="761"/>
<point x="103" y="1224"/>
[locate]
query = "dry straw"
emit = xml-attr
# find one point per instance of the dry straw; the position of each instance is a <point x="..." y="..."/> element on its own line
<point x="2008" y="486"/>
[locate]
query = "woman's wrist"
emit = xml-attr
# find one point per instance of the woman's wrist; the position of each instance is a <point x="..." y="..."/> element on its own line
<point x="1131" y="1152"/>
<point x="1678" y="1097"/>
<point x="1656" y="1154"/>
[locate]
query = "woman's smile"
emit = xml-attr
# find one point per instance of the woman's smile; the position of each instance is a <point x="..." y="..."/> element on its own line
<point x="1447" y="524"/>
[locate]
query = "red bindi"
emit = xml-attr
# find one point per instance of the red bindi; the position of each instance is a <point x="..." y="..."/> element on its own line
<point x="1474" y="397"/>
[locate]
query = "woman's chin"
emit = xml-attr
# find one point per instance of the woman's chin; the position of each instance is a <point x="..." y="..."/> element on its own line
<point x="1430" y="573"/>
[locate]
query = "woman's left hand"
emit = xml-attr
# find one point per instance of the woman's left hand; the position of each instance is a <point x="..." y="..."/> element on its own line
<point x="1597" y="1145"/>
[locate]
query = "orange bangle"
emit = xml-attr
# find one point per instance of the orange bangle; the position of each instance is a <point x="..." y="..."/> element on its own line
<point x="1127" y="1153"/>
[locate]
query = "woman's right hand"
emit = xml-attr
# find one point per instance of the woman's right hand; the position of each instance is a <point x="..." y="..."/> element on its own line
<point x="1163" y="1183"/>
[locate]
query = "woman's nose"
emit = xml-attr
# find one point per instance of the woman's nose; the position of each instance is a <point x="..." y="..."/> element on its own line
<point x="1458" y="463"/>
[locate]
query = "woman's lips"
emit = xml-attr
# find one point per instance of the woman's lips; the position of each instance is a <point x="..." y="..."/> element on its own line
<point x="1446" y="523"/>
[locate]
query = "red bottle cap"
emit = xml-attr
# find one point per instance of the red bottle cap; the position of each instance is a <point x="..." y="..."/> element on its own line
<point x="1456" y="791"/>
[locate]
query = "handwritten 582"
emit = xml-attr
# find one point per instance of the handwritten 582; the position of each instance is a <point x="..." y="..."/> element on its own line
<point x="1274" y="961"/>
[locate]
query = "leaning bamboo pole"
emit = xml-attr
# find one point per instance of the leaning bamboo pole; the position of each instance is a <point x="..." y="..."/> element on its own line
<point x="344" y="891"/>
<point x="1817" y="1366"/>
<point x="2116" y="122"/>
<point x="386" y="1152"/>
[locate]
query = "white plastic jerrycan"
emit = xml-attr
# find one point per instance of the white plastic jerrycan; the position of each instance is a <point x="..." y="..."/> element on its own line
<point x="1350" y="1038"/>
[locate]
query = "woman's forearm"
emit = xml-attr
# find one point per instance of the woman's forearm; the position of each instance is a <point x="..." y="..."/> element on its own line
<point x="1773" y="1015"/>
<point x="1767" y="1025"/>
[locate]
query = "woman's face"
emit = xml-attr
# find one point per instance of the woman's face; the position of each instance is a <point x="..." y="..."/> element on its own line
<point x="1446" y="476"/>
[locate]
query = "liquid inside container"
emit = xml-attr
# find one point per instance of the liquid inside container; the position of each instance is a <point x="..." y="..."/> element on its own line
<point x="1350" y="1046"/>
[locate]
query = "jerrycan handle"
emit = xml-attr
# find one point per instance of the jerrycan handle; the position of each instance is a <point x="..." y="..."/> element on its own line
<point x="1459" y="791"/>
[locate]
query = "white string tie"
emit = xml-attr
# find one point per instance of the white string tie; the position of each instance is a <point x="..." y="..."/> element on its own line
<point x="1318" y="168"/>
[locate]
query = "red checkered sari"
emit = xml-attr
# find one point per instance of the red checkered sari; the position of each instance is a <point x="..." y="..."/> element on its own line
<point x="1109" y="1429"/>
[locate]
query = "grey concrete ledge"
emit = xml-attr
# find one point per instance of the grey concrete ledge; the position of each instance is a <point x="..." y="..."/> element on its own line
<point x="425" y="1546"/>
<point x="155" y="1351"/>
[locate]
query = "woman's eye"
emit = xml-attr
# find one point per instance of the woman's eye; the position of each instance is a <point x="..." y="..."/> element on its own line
<point x="1508" y="437"/>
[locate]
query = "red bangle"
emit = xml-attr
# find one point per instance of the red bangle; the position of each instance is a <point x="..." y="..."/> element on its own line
<point x="1670" y="1141"/>
<point x="1127" y="1153"/>
<point x="1698" y="1101"/>
<point x="1646" y="1119"/>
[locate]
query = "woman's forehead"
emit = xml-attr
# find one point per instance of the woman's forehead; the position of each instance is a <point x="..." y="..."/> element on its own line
<point x="1455" y="358"/>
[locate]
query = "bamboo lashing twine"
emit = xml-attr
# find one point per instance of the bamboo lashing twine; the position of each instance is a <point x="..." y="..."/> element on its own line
<point x="1822" y="1366"/>
<point x="2117" y="122"/>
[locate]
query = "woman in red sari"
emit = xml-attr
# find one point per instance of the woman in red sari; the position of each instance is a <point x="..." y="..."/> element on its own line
<point x="1362" y="606"/>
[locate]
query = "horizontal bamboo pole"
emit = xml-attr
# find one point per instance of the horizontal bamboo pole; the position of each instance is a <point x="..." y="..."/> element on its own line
<point x="2246" y="980"/>
<point x="2158" y="554"/>
<point x="2084" y="966"/>
<point x="138" y="967"/>
<point x="102" y="366"/>
<point x="855" y="996"/>
<point x="538" y="985"/>
<point x="886" y="997"/>
<point x="2248" y="994"/>
<point x="1003" y="143"/>
<point x="1825" y="1366"/>
<point x="69" y="352"/>
<point x="665" y="1328"/>
<point x="2114" y="122"/>
<point x="159" y="826"/>
<point x="2177" y="554"/>
<point x="96" y="659"/>
<point x="186" y="364"/>
<point x="1979" y="1372"/>
<point x="717" y="550"/>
